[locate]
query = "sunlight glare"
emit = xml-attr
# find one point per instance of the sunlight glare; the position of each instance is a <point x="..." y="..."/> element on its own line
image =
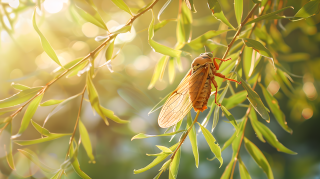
<point x="53" y="6"/>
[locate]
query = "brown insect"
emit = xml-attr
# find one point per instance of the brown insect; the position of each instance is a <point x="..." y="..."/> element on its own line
<point x="193" y="91"/>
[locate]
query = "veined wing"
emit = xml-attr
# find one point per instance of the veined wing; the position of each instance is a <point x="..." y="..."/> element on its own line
<point x="179" y="104"/>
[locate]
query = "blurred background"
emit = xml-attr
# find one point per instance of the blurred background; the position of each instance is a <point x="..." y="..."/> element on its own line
<point x="125" y="91"/>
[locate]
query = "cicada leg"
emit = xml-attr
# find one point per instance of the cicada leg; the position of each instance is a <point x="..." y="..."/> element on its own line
<point x="216" y="86"/>
<point x="223" y="76"/>
<point x="222" y="59"/>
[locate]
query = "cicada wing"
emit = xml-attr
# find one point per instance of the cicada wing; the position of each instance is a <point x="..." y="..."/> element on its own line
<point x="179" y="104"/>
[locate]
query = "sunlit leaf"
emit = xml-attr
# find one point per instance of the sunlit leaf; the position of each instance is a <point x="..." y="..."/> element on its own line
<point x="255" y="100"/>
<point x="244" y="174"/>
<point x="122" y="29"/>
<point x="184" y="26"/>
<point x="191" y="6"/>
<point x="175" y="128"/>
<point x="275" y="109"/>
<point x="87" y="12"/>
<point x="230" y="117"/>
<point x="215" y="148"/>
<point x="19" y="86"/>
<point x="162" y="24"/>
<point x="58" y="174"/>
<point x="75" y="163"/>
<point x="109" y="51"/>
<point x="309" y="9"/>
<point x="59" y="107"/>
<point x="122" y="5"/>
<point x="34" y="158"/>
<point x="269" y="16"/>
<point x="193" y="139"/>
<point x="44" y="42"/>
<point x="217" y="12"/>
<point x="110" y="115"/>
<point x="94" y="98"/>
<point x="163" y="8"/>
<point x="258" y="156"/>
<point x="254" y="122"/>
<point x="51" y="102"/>
<point x="234" y="100"/>
<point x="200" y="41"/>
<point x="85" y="140"/>
<point x="216" y="111"/>
<point x="171" y="70"/>
<point x="174" y="165"/>
<point x="33" y="106"/>
<point x="19" y="97"/>
<point x="227" y="170"/>
<point x="238" y="8"/>
<point x="6" y="143"/>
<point x="143" y="136"/>
<point x="206" y="120"/>
<point x="52" y="136"/>
<point x="40" y="129"/>
<point x="257" y="46"/>
<point x="247" y="61"/>
<point x="158" y="47"/>
<point x="229" y="141"/>
<point x="156" y="161"/>
<point x="157" y="72"/>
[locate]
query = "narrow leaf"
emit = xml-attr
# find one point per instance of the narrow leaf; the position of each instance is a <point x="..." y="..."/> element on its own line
<point x="255" y="100"/>
<point x="122" y="5"/>
<point x="157" y="71"/>
<point x="244" y="174"/>
<point x="217" y="12"/>
<point x="254" y="121"/>
<point x="52" y="136"/>
<point x="41" y="130"/>
<point x="19" y="86"/>
<point x="200" y="41"/>
<point x="109" y="51"/>
<point x="229" y="117"/>
<point x="86" y="140"/>
<point x="34" y="158"/>
<point x="238" y="8"/>
<point x="19" y="98"/>
<point x="269" y="16"/>
<point x="193" y="139"/>
<point x="163" y="8"/>
<point x="234" y="100"/>
<point x="215" y="148"/>
<point x="44" y="42"/>
<point x="227" y="171"/>
<point x="110" y="115"/>
<point x="191" y="6"/>
<point x="257" y="46"/>
<point x="143" y="136"/>
<point x="52" y="102"/>
<point x="76" y="165"/>
<point x="258" y="156"/>
<point x="309" y="9"/>
<point x="275" y="109"/>
<point x="174" y="165"/>
<point x="171" y="70"/>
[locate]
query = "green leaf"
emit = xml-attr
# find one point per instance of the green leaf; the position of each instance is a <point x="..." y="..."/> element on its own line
<point x="143" y="136"/>
<point x="78" y="69"/>
<point x="206" y="120"/>
<point x="85" y="140"/>
<point x="191" y="6"/>
<point x="227" y="171"/>
<point x="156" y="161"/>
<point x="234" y="100"/>
<point x="94" y="98"/>
<point x="75" y="163"/>
<point x="309" y="9"/>
<point x="200" y="41"/>
<point x="275" y="109"/>
<point x="162" y="24"/>
<point x="238" y="8"/>
<point x="257" y="46"/>
<point x="160" y="67"/>
<point x="59" y="107"/>
<point x="32" y="108"/>
<point x="247" y="61"/>
<point x="272" y="139"/>
<point x="163" y="8"/>
<point x="183" y="26"/>
<point x="110" y="115"/>
<point x="193" y="139"/>
<point x="216" y="111"/>
<point x="52" y="136"/>
<point x="158" y="47"/>
<point x="258" y="156"/>
<point x="255" y="100"/>
<point x="51" y="102"/>
<point x="44" y="42"/>
<point x="174" y="165"/>
<point x="19" y="98"/>
<point x="244" y="174"/>
<point x="122" y="29"/>
<point x="229" y="117"/>
<point x="122" y="5"/>
<point x="217" y="12"/>
<point x="41" y="130"/>
<point x="171" y="70"/>
<point x="34" y="158"/>
<point x="19" y="86"/>
<point x="229" y="141"/>
<point x="6" y="143"/>
<point x="58" y="174"/>
<point x="89" y="13"/>
<point x="109" y="51"/>
<point x="215" y="148"/>
<point x="254" y="122"/>
<point x="269" y="16"/>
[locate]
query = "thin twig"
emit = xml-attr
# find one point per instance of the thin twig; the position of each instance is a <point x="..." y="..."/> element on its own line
<point x="186" y="134"/>
<point x="239" y="30"/>
<point x="77" y="121"/>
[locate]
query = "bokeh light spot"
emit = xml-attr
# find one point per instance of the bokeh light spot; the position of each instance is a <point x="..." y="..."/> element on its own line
<point x="273" y="87"/>
<point x="310" y="90"/>
<point x="137" y="125"/>
<point x="307" y="113"/>
<point x="89" y="30"/>
<point x="53" y="6"/>
<point x="142" y="63"/>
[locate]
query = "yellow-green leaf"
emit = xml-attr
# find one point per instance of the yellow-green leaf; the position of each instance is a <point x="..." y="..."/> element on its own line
<point x="143" y="136"/>
<point x="171" y="70"/>
<point x="200" y="41"/>
<point x="19" y="98"/>
<point x="122" y="5"/>
<point x="217" y="12"/>
<point x="51" y="102"/>
<point x="161" y="65"/>
<point x="41" y="130"/>
<point x="257" y="46"/>
<point x="238" y="8"/>
<point x="174" y="165"/>
<point x="44" y="42"/>
<point x="34" y="158"/>
<point x="110" y="115"/>
<point x="309" y="9"/>
<point x="86" y="140"/>
<point x="19" y="86"/>
<point x="76" y="165"/>
<point x="269" y="16"/>
<point x="109" y="51"/>
<point x="229" y="117"/>
<point x="234" y="100"/>
<point x="244" y="174"/>
<point x="193" y="139"/>
<point x="52" y="136"/>
<point x="254" y="121"/>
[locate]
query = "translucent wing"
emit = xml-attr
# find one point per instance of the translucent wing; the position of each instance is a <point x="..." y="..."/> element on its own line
<point x="179" y="104"/>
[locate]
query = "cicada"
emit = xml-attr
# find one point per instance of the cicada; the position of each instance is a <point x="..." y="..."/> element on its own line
<point x="193" y="91"/>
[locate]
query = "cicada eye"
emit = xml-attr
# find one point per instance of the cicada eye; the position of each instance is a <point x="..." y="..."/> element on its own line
<point x="210" y="55"/>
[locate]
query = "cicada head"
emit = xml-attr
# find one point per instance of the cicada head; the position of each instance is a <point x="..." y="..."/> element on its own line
<point x="202" y="59"/>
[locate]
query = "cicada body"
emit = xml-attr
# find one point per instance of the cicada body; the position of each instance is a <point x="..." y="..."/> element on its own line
<point x="193" y="91"/>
